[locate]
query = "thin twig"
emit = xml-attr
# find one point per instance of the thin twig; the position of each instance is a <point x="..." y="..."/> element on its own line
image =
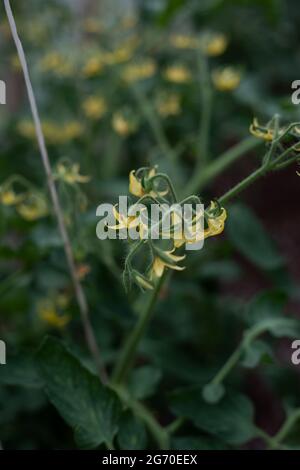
<point x="80" y="296"/>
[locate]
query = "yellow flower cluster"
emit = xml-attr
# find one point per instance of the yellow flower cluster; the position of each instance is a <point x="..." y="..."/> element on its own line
<point x="94" y="107"/>
<point x="262" y="132"/>
<point x="213" y="44"/>
<point x="226" y="79"/>
<point x="93" y="66"/>
<point x="69" y="172"/>
<point x="54" y="133"/>
<point x="141" y="183"/>
<point x="168" y="104"/>
<point x="184" y="41"/>
<point x="50" y="311"/>
<point x="124" y="123"/>
<point x="139" y="71"/>
<point x="57" y="63"/>
<point x="34" y="207"/>
<point x="30" y="204"/>
<point x="177" y="74"/>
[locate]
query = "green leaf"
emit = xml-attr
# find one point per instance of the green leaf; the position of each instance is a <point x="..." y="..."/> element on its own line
<point x="132" y="434"/>
<point x="267" y="305"/>
<point x="212" y="393"/>
<point x="144" y="381"/>
<point x="21" y="371"/>
<point x="91" y="409"/>
<point x="197" y="443"/>
<point x="231" y="419"/>
<point x="249" y="237"/>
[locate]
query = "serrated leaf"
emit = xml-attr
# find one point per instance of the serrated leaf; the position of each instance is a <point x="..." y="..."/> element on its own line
<point x="231" y="419"/>
<point x="91" y="409"/>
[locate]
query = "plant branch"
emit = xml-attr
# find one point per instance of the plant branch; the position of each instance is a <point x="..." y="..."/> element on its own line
<point x="127" y="356"/>
<point x="80" y="296"/>
<point x="205" y="175"/>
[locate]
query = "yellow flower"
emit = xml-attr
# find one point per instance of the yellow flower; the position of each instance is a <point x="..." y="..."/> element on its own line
<point x="135" y="186"/>
<point x="183" y="41"/>
<point x="138" y="189"/>
<point x="122" y="124"/>
<point x="166" y="259"/>
<point x="139" y="71"/>
<point x="168" y="104"/>
<point x="262" y="132"/>
<point x="26" y="129"/>
<point x="215" y="226"/>
<point x="177" y="74"/>
<point x="213" y="44"/>
<point x="70" y="173"/>
<point x="47" y="311"/>
<point x="93" y="67"/>
<point x="8" y="197"/>
<point x="226" y="79"/>
<point x="56" y="63"/>
<point x="122" y="53"/>
<point x="94" y="107"/>
<point x="71" y="130"/>
<point x="129" y="222"/>
<point x="33" y="207"/>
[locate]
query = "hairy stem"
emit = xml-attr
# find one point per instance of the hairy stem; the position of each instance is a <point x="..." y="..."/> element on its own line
<point x="205" y="175"/>
<point x="127" y="356"/>
<point x="80" y="296"/>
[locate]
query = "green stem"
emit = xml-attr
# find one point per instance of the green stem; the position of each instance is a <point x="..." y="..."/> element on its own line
<point x="128" y="353"/>
<point x="206" y="111"/>
<point x="243" y="184"/>
<point x="154" y="123"/>
<point x="226" y="368"/>
<point x="160" y="434"/>
<point x="286" y="428"/>
<point x="201" y="178"/>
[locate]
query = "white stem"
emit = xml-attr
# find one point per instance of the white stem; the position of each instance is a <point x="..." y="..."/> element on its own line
<point x="80" y="296"/>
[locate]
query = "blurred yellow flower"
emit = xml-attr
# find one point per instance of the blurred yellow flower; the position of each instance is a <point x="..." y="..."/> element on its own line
<point x="33" y="207"/>
<point x="177" y="74"/>
<point x="262" y="132"/>
<point x="226" y="79"/>
<point x="139" y="71"/>
<point x="56" y="63"/>
<point x="184" y="41"/>
<point x="213" y="44"/>
<point x="8" y="197"/>
<point x="69" y="172"/>
<point x="168" y="104"/>
<point x="54" y="133"/>
<point x="93" y="66"/>
<point x="48" y="312"/>
<point x="122" y="124"/>
<point x="26" y="129"/>
<point x="94" y="107"/>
